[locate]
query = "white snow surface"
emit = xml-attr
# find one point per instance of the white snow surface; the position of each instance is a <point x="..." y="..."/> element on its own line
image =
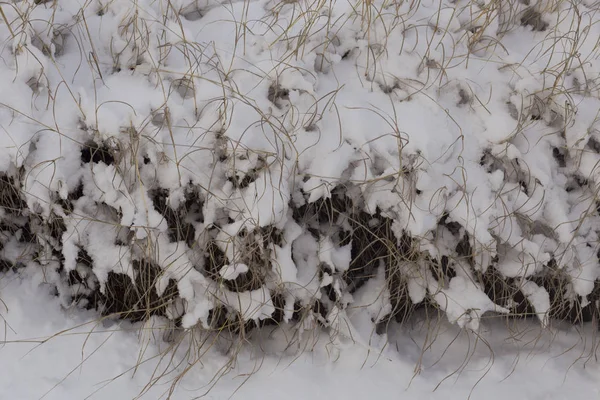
<point x="52" y="353"/>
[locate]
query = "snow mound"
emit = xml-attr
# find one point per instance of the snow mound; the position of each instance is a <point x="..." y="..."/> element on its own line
<point x="255" y="162"/>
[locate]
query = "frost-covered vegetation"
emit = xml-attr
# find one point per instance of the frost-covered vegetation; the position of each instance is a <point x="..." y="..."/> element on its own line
<point x="298" y="165"/>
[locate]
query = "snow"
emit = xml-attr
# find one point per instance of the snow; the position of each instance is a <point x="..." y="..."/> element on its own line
<point x="539" y="299"/>
<point x="459" y="111"/>
<point x="464" y="303"/>
<point x="70" y="354"/>
<point x="408" y="109"/>
<point x="233" y="271"/>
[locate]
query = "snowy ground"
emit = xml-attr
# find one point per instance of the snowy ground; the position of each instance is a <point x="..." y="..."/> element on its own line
<point x="472" y="128"/>
<point x="78" y="365"/>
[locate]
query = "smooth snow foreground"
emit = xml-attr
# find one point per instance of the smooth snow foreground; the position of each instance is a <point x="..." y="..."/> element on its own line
<point x="78" y="364"/>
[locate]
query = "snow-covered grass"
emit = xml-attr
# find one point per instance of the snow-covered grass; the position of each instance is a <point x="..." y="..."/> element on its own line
<point x="227" y="168"/>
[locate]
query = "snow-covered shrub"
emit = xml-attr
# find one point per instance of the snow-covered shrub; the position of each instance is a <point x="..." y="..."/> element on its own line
<point x="230" y="166"/>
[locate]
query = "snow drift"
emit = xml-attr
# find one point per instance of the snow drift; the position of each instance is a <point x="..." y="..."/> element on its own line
<point x="229" y="165"/>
